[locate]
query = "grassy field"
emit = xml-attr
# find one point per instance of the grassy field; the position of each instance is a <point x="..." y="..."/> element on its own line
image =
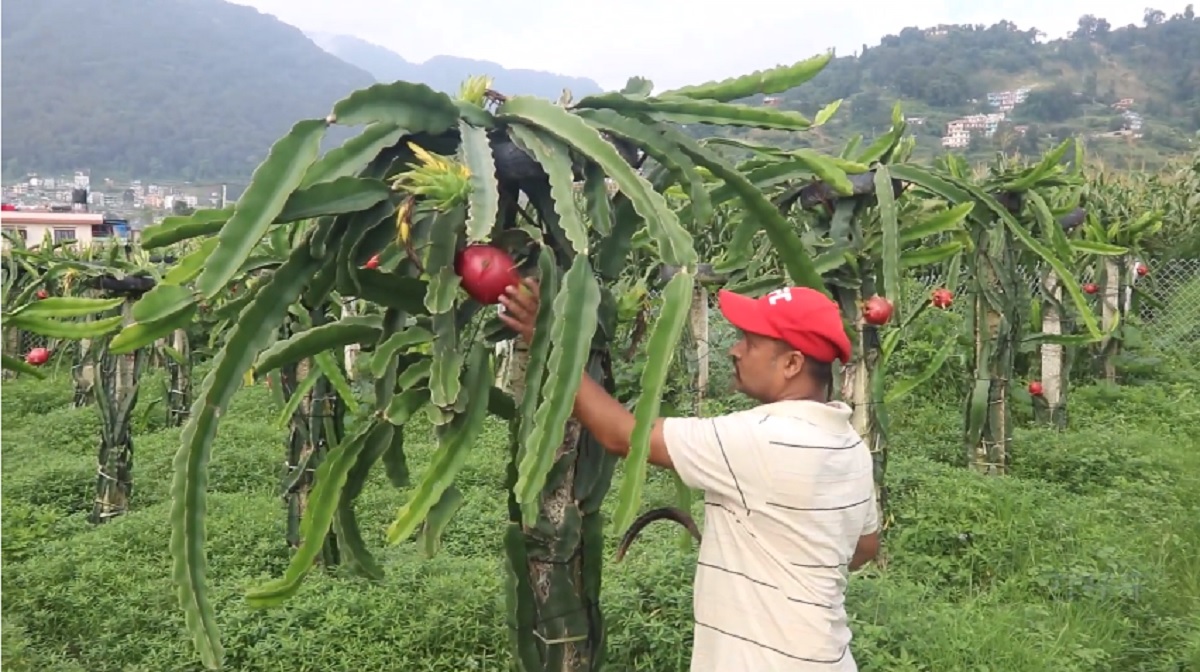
<point x="1086" y="560"/>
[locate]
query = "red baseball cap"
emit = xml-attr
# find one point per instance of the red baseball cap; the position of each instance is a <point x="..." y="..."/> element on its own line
<point x="802" y="317"/>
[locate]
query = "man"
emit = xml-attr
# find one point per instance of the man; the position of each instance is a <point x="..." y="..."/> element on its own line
<point x="789" y="487"/>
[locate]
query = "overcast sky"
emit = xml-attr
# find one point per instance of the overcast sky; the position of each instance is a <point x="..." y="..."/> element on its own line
<point x="673" y="42"/>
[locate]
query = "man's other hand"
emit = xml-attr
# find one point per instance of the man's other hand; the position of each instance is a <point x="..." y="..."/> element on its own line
<point x="520" y="308"/>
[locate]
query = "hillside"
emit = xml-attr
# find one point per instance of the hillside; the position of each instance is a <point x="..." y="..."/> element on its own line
<point x="166" y="89"/>
<point x="445" y="73"/>
<point x="1133" y="91"/>
<point x="199" y="89"/>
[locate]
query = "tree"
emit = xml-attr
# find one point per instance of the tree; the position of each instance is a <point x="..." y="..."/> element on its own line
<point x="1008" y="221"/>
<point x="428" y="176"/>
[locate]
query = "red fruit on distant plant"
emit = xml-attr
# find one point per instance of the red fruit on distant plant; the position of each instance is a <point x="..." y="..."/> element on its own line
<point x="1142" y="269"/>
<point x="37" y="356"/>
<point x="485" y="271"/>
<point x="942" y="298"/>
<point x="1090" y="288"/>
<point x="373" y="262"/>
<point x="1035" y="388"/>
<point x="41" y="294"/>
<point x="877" y="310"/>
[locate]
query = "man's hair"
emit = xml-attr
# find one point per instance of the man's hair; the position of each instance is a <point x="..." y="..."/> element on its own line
<point x="821" y="372"/>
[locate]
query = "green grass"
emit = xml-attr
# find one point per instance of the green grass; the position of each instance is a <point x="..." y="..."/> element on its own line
<point x="1087" y="559"/>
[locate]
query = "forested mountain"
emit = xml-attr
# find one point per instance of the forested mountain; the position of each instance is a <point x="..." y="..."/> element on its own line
<point x="1092" y="83"/>
<point x="167" y="89"/>
<point x="199" y="89"/>
<point x="445" y="73"/>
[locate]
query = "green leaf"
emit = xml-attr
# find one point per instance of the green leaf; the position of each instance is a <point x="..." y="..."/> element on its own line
<point x="294" y="401"/>
<point x="826" y="113"/>
<point x="1050" y="226"/>
<point x="660" y="350"/>
<point x="1048" y="166"/>
<point x="1068" y="280"/>
<point x="555" y="159"/>
<point x="270" y="186"/>
<point x="827" y="169"/>
<point x="69" y="330"/>
<point x="890" y="225"/>
<point x="928" y="256"/>
<point x="141" y="334"/>
<point x="11" y="363"/>
<point x="675" y="243"/>
<point x="67" y="306"/>
<point x="337" y="380"/>
<point x="415" y="107"/>
<point x="944" y="221"/>
<point x="405" y="404"/>
<point x="162" y="302"/>
<point x="484" y="199"/>
<point x="438" y="519"/>
<point x="653" y="143"/>
<point x="187" y="268"/>
<point x="177" y="229"/>
<point x="930" y="182"/>
<point x="262" y="317"/>
<point x="599" y="206"/>
<point x="1093" y="247"/>
<point x="539" y="350"/>
<point x="345" y="522"/>
<point x="385" y="353"/>
<point x="328" y="482"/>
<point x="681" y="110"/>
<point x="903" y="388"/>
<point x="342" y="195"/>
<point x="454" y="444"/>
<point x="354" y="154"/>
<point x="779" y="231"/>
<point x="311" y="342"/>
<point x="774" y="80"/>
<point x="575" y="313"/>
<point x="445" y="383"/>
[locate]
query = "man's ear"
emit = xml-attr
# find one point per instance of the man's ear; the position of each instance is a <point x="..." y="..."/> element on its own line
<point x="793" y="364"/>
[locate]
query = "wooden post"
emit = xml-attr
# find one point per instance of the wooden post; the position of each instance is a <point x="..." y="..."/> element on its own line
<point x="1053" y="373"/>
<point x="698" y="317"/>
<point x="1110" y="309"/>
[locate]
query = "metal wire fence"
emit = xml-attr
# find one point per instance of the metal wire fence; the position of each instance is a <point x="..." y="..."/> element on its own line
<point x="1168" y="315"/>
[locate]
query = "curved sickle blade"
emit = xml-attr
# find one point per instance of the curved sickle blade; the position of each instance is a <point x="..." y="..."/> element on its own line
<point x="665" y="513"/>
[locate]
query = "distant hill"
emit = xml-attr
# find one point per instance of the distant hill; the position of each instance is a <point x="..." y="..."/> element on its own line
<point x="1134" y="92"/>
<point x="199" y="89"/>
<point x="445" y="73"/>
<point x="158" y="89"/>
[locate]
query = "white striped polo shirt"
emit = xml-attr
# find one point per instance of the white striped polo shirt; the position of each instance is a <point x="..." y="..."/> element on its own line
<point x="788" y="490"/>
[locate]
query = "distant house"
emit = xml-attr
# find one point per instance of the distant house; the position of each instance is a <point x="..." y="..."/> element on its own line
<point x="1007" y="100"/>
<point x="960" y="131"/>
<point x="84" y="228"/>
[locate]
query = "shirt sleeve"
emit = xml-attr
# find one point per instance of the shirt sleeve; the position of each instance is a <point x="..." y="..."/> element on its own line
<point x="871" y="524"/>
<point x="700" y="449"/>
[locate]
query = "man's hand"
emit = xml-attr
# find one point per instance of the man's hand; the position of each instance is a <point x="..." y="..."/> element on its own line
<point x="520" y="308"/>
<point x="608" y="421"/>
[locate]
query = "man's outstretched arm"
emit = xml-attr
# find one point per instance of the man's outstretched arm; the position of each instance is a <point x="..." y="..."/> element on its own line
<point x="603" y="416"/>
<point x="612" y="424"/>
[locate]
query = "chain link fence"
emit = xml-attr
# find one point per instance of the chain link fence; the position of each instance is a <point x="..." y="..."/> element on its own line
<point x="29" y="341"/>
<point x="1167" y="315"/>
<point x="1166" y="311"/>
